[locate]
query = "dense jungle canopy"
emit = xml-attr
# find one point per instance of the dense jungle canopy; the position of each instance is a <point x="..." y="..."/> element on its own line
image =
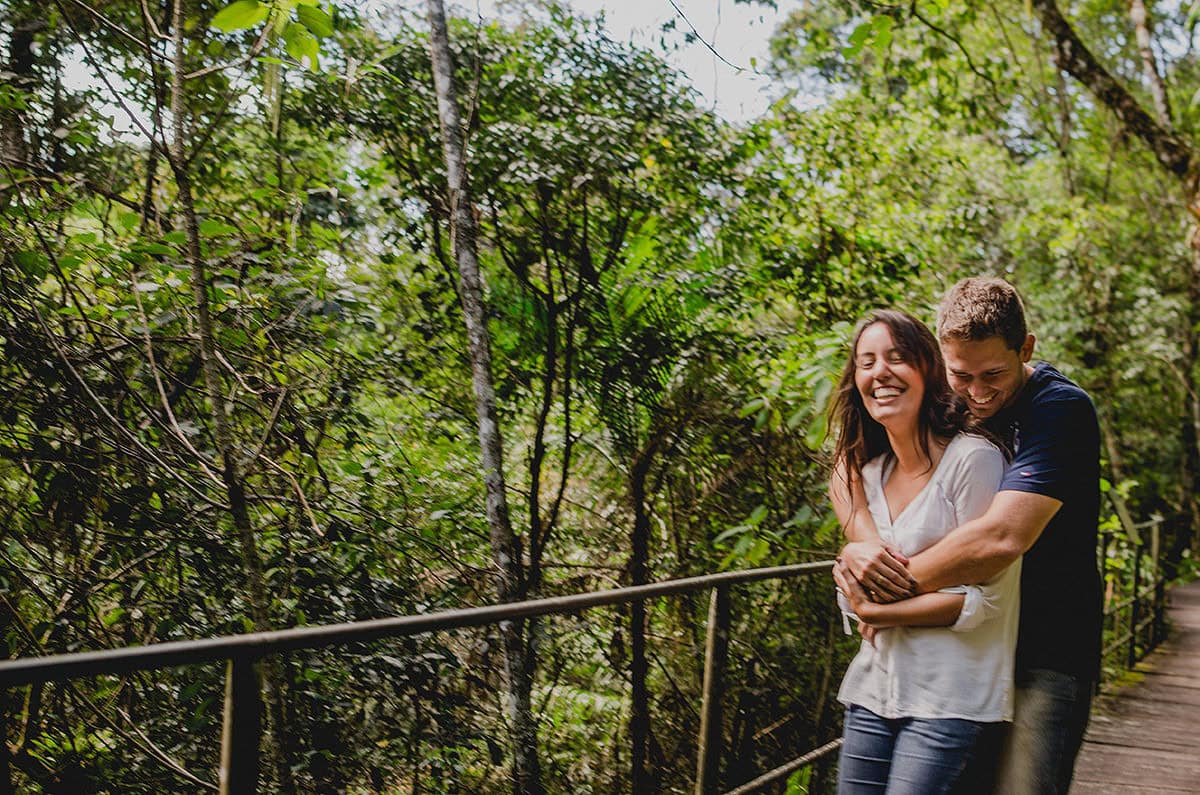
<point x="250" y="381"/>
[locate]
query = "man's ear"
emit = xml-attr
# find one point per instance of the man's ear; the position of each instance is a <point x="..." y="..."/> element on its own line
<point x="1027" y="348"/>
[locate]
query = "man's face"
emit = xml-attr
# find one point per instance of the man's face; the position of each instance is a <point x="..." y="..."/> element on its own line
<point x="986" y="373"/>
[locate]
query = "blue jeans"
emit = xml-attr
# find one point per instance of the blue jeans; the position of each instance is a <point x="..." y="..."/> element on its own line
<point x="903" y="756"/>
<point x="1050" y="716"/>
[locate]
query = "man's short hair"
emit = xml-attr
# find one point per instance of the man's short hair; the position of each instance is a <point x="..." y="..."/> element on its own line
<point x="981" y="307"/>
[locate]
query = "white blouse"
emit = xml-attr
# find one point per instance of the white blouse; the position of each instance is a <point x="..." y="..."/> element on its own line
<point x="965" y="670"/>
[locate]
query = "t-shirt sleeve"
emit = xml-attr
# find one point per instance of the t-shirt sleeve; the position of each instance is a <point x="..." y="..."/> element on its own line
<point x="1051" y="442"/>
<point x="976" y="480"/>
<point x="975" y="484"/>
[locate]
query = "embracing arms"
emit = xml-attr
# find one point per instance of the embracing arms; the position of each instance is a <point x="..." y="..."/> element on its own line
<point x="890" y="579"/>
<point x="925" y="610"/>
<point x="974" y="552"/>
<point x="1005" y="524"/>
<point x="981" y="548"/>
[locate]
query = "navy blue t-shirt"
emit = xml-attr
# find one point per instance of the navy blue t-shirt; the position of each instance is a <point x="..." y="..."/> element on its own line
<point x="1055" y="438"/>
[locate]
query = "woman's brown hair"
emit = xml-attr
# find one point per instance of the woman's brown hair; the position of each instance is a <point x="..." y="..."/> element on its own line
<point x="943" y="414"/>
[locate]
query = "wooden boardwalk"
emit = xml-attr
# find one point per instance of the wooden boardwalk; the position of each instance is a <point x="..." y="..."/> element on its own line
<point x="1145" y="737"/>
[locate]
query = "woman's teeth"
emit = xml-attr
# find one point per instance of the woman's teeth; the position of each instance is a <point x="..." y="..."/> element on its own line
<point x="886" y="392"/>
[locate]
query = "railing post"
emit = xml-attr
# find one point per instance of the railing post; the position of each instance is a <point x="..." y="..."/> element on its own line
<point x="241" y="729"/>
<point x="1135" y="607"/>
<point x="716" y="651"/>
<point x="1105" y="537"/>
<point x="1156" y="627"/>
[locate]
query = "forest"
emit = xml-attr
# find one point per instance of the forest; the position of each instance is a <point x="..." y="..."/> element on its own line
<point x="318" y="312"/>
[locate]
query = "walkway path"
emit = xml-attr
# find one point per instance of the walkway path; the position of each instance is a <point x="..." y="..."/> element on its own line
<point x="1146" y="737"/>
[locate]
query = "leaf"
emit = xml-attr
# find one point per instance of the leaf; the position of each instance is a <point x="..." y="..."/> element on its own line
<point x="33" y="263"/>
<point x="640" y="248"/>
<point x="751" y="407"/>
<point x="211" y="227"/>
<point x="817" y="431"/>
<point x="301" y="45"/>
<point x="318" y="22"/>
<point x="821" y="393"/>
<point x="725" y="535"/>
<point x="240" y="15"/>
<point x="857" y="40"/>
<point x="758" y="550"/>
<point x="883" y="39"/>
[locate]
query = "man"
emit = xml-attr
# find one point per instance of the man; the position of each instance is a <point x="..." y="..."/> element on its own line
<point x="1047" y="509"/>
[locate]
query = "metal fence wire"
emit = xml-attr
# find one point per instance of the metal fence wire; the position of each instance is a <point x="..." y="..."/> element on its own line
<point x="1134" y="609"/>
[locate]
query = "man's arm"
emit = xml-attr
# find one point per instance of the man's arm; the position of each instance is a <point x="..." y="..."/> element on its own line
<point x="983" y="547"/>
<point x="880" y="567"/>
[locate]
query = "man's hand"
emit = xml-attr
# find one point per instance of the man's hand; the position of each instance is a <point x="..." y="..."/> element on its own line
<point x="868" y="632"/>
<point x="882" y="570"/>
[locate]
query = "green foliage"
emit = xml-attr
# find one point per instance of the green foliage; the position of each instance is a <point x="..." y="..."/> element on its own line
<point x="669" y="298"/>
<point x="240" y="15"/>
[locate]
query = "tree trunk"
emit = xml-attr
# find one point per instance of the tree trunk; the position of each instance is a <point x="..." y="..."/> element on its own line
<point x="1174" y="153"/>
<point x="1158" y="89"/>
<point x="229" y="459"/>
<point x="506" y="547"/>
<point x="14" y="149"/>
<point x="1178" y="157"/>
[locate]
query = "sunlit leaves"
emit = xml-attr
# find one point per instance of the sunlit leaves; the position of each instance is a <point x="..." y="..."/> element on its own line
<point x="301" y="44"/>
<point x="301" y="36"/>
<point x="213" y="227"/>
<point x="876" y="32"/>
<point x="317" y="20"/>
<point x="240" y="15"/>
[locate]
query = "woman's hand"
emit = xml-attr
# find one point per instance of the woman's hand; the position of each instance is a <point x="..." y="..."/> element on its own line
<point x="853" y="590"/>
<point x="868" y="632"/>
<point x="881" y="569"/>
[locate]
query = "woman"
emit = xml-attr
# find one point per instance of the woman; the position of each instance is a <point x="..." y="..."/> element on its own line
<point x="933" y="670"/>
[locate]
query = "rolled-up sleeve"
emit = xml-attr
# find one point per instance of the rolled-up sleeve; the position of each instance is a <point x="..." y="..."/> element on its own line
<point x="980" y="603"/>
<point x="980" y="473"/>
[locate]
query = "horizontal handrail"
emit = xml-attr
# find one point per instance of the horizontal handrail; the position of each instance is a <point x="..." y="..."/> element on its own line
<point x="246" y="648"/>
<point x="785" y="770"/>
<point x="30" y="670"/>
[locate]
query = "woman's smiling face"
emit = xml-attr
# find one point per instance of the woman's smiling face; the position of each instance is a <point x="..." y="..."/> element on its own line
<point x="891" y="387"/>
